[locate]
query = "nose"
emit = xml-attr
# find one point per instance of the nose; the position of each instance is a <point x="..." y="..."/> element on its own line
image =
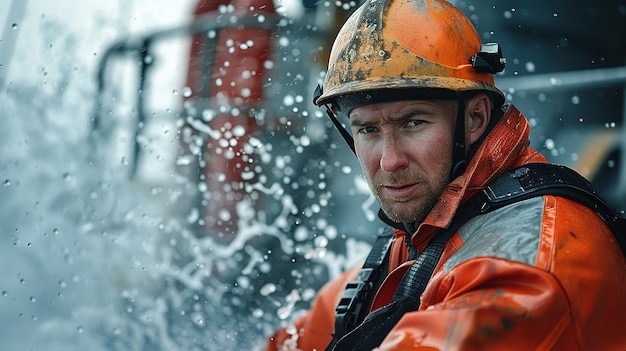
<point x="393" y="157"/>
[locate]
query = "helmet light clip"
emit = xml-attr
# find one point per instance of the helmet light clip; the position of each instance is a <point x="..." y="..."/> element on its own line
<point x="489" y="59"/>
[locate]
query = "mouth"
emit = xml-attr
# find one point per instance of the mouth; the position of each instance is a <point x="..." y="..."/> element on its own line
<point x="399" y="192"/>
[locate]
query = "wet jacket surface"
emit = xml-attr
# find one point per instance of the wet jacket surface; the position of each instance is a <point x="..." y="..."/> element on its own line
<point x="540" y="274"/>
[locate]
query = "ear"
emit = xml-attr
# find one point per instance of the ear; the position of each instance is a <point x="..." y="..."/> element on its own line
<point x="478" y="117"/>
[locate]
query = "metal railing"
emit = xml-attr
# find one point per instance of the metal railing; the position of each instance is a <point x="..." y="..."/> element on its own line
<point x="140" y="49"/>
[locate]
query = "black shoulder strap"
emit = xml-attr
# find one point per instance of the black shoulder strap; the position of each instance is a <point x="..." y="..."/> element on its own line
<point x="376" y="325"/>
<point x="519" y="184"/>
<point x="358" y="295"/>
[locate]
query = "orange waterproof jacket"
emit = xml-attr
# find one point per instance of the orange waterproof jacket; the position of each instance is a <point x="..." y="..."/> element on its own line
<point x="540" y="274"/>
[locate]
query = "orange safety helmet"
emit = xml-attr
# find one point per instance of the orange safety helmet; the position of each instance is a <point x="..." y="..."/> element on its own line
<point x="388" y="45"/>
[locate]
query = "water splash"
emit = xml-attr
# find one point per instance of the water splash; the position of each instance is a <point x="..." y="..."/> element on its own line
<point x="95" y="259"/>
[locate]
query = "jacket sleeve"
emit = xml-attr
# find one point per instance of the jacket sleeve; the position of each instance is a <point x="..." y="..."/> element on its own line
<point x="487" y="304"/>
<point x="313" y="330"/>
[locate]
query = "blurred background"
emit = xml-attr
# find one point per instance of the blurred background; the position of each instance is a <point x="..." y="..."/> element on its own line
<point x="167" y="183"/>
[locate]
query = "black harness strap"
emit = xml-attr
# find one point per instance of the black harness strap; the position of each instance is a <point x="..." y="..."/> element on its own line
<point x="523" y="183"/>
<point x="379" y="323"/>
<point x="358" y="295"/>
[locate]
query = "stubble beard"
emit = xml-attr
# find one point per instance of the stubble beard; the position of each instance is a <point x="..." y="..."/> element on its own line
<point x="414" y="209"/>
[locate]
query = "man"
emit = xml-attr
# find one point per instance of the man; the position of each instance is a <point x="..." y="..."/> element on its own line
<point x="430" y="132"/>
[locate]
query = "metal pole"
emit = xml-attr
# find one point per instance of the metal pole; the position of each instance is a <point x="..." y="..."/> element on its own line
<point x="621" y="184"/>
<point x="9" y="37"/>
<point x="564" y="80"/>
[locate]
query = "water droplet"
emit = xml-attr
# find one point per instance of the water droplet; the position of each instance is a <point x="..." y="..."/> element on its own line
<point x="542" y="97"/>
<point x="321" y="241"/>
<point x="267" y="289"/>
<point x="14" y="26"/>
<point x="198" y="319"/>
<point x="288" y="100"/>
<point x="257" y="313"/>
<point x="283" y="41"/>
<point x="224" y="215"/>
<point x="7" y="182"/>
<point x="239" y="131"/>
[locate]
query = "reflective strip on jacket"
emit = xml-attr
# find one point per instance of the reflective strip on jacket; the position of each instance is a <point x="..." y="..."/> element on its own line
<point x="541" y="274"/>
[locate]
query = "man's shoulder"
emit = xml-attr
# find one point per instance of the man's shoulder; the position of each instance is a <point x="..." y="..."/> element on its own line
<point x="512" y="232"/>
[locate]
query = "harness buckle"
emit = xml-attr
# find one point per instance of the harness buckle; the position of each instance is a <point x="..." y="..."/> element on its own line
<point x="352" y="301"/>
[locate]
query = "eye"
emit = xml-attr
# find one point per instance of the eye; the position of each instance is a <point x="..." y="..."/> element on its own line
<point x="367" y="130"/>
<point x="414" y="123"/>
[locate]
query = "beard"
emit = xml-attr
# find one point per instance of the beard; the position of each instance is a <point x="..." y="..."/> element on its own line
<point x="412" y="209"/>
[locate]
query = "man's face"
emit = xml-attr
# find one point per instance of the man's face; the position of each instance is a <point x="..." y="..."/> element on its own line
<point x="405" y="150"/>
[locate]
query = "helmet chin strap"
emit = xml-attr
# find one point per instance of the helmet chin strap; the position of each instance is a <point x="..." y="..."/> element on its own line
<point x="459" y="147"/>
<point x="344" y="133"/>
